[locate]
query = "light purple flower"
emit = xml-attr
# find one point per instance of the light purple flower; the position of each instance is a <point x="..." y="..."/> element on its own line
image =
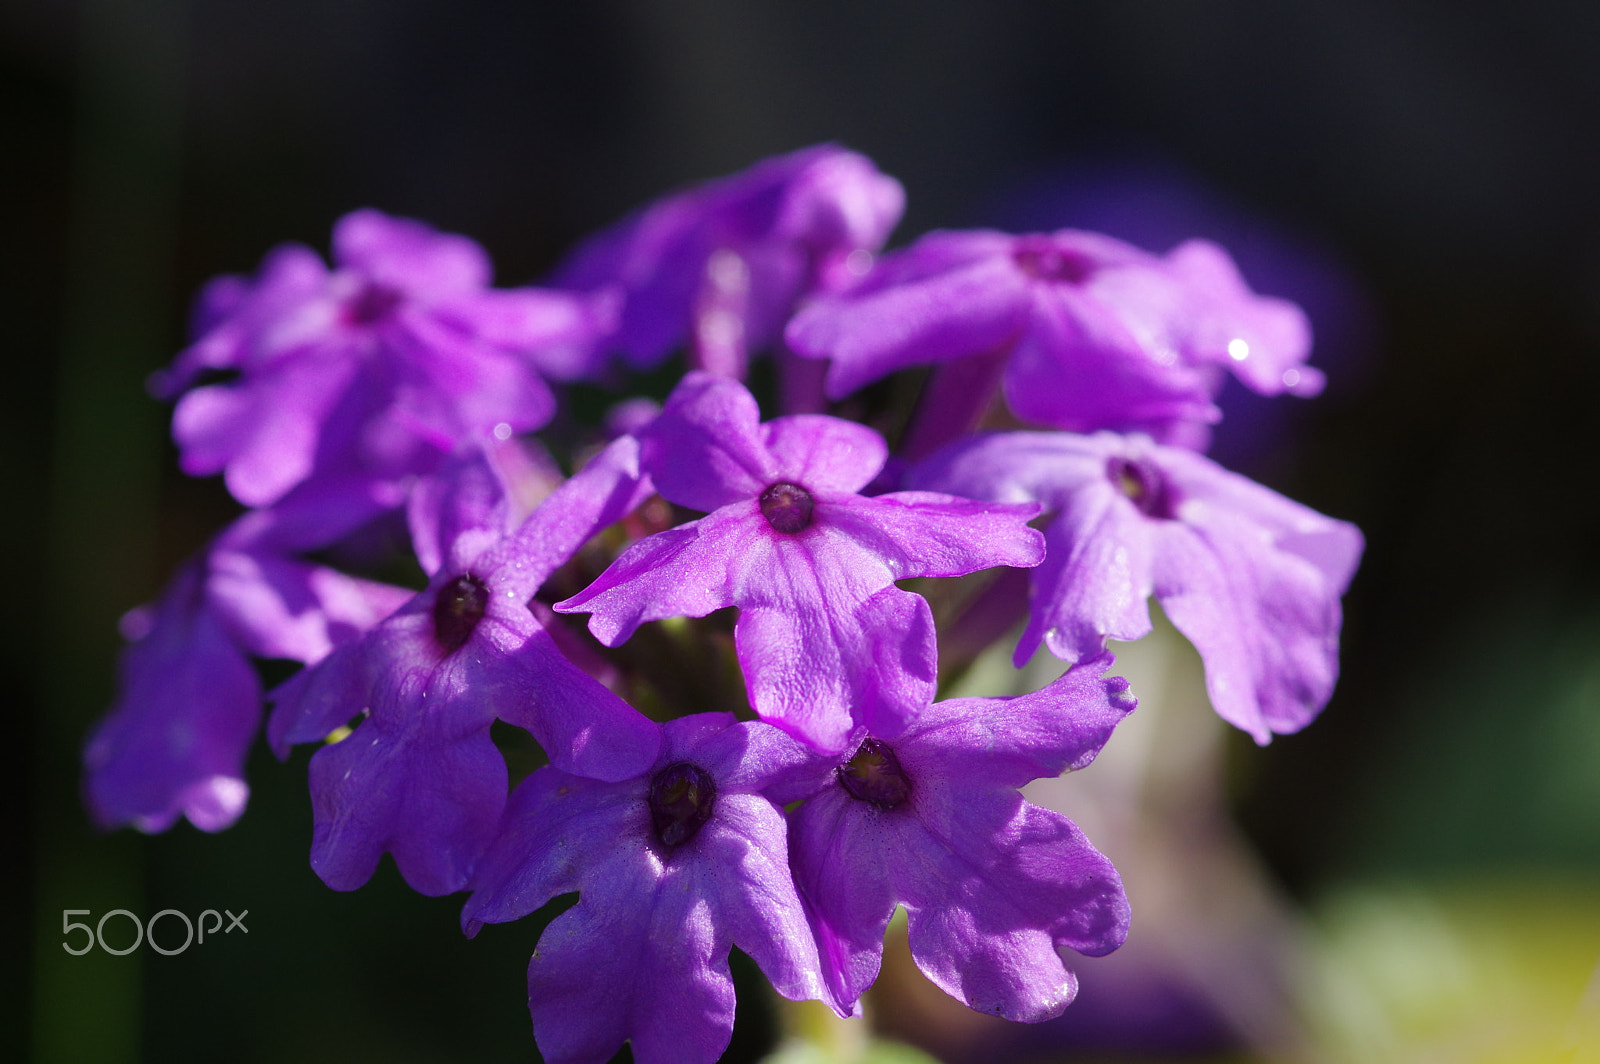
<point x="373" y="371"/>
<point x="420" y="776"/>
<point x="673" y="868"/>
<point x="1250" y="577"/>
<point x="724" y="263"/>
<point x="992" y="884"/>
<point x="1098" y="334"/>
<point x="827" y="642"/>
<point x="189" y="700"/>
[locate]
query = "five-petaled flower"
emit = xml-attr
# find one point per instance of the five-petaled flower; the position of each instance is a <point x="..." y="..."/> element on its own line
<point x="828" y="643"/>
<point x="1097" y="333"/>
<point x="1251" y="578"/>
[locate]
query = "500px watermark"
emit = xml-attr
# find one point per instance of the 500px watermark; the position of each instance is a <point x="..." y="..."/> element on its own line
<point x="146" y="932"/>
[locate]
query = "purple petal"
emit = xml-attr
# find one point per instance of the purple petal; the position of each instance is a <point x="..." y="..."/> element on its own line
<point x="559" y="332"/>
<point x="838" y="846"/>
<point x="466" y="498"/>
<point x="1084" y="364"/>
<point x="409" y="255"/>
<point x="583" y="727"/>
<point x="187" y="709"/>
<point x="747" y="756"/>
<point x="682" y="572"/>
<point x="1032" y="736"/>
<point x="919" y="533"/>
<point x="1263" y="341"/>
<point x="428" y="788"/>
<point x="604" y="491"/>
<point x="989" y="906"/>
<point x="824" y="454"/>
<point x="1096" y="578"/>
<point x="819" y="659"/>
<point x="1333" y="546"/>
<point x="706" y="449"/>
<point x="961" y="310"/>
<point x="453" y="389"/>
<point x="637" y="958"/>
<point x="1265" y="622"/>
<point x="1016" y="467"/>
<point x="281" y="608"/>
<point x="741" y="867"/>
<point x="555" y="825"/>
<point x="263" y="436"/>
<point x="229" y="313"/>
<point x="740" y="251"/>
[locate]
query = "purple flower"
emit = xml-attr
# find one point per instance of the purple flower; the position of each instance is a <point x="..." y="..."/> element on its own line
<point x="1251" y="578"/>
<point x="991" y="884"/>
<point x="673" y="868"/>
<point x="827" y="641"/>
<point x="189" y="703"/>
<point x="372" y="371"/>
<point x="726" y="262"/>
<point x="1097" y="333"/>
<point x="420" y="776"/>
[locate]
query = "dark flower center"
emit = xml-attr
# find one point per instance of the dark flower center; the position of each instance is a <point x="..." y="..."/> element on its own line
<point x="374" y="302"/>
<point x="1143" y="484"/>
<point x="874" y="775"/>
<point x="1046" y="261"/>
<point x="787" y="507"/>
<point x="681" y="797"/>
<point x="457" y="611"/>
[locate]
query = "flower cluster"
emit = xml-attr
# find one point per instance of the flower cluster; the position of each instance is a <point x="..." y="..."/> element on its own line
<point x="794" y="813"/>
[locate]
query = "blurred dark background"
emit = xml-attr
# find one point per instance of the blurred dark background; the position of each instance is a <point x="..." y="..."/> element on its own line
<point x="1421" y="175"/>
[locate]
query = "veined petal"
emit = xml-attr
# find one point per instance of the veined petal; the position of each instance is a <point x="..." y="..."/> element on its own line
<point x="920" y="533"/>
<point x="1264" y="620"/>
<point x="1095" y="579"/>
<point x="638" y="958"/>
<point x="824" y="454"/>
<point x="838" y="846"/>
<point x="427" y="788"/>
<point x="525" y="680"/>
<point x="604" y="491"/>
<point x="742" y="867"/>
<point x="820" y="657"/>
<point x="987" y="913"/>
<point x="682" y="572"/>
<point x="705" y="450"/>
<point x="555" y="825"/>
<point x="1031" y="736"/>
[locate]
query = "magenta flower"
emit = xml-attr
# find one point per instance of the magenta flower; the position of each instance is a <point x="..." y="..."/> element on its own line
<point x="992" y="884"/>
<point x="1097" y="333"/>
<point x="372" y="371"/>
<point x="827" y="642"/>
<point x="420" y="776"/>
<point x="1251" y="578"/>
<point x="189" y="700"/>
<point x="673" y="868"/>
<point x="725" y="263"/>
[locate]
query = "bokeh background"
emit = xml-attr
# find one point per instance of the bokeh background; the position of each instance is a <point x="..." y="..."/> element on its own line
<point x="1421" y="175"/>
